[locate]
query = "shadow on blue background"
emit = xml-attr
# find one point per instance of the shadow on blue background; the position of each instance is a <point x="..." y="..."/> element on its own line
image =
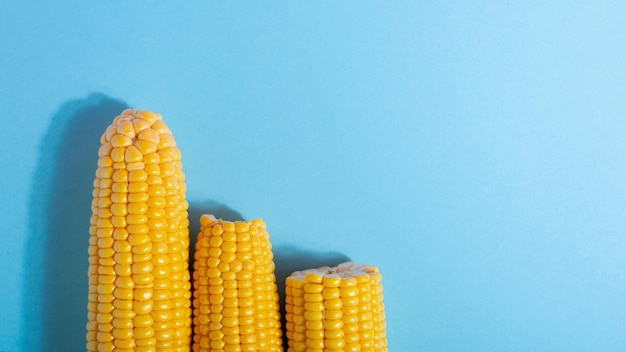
<point x="56" y="285"/>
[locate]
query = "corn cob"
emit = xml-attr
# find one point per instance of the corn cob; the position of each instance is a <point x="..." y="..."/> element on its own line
<point x="235" y="297"/>
<point x="139" y="282"/>
<point x="335" y="309"/>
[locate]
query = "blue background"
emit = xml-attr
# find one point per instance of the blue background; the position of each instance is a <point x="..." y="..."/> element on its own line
<point x="474" y="151"/>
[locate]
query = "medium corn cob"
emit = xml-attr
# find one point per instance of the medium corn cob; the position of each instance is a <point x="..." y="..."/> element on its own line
<point x="235" y="299"/>
<point x="335" y="309"/>
<point x="139" y="283"/>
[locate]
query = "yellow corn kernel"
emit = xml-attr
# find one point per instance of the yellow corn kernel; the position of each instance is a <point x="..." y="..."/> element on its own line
<point x="139" y="292"/>
<point x="235" y="305"/>
<point x="335" y="309"/>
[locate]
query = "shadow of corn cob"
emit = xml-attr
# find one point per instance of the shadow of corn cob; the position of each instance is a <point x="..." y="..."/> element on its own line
<point x="55" y="293"/>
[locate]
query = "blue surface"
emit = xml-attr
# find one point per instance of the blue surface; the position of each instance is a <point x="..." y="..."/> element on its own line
<point x="474" y="152"/>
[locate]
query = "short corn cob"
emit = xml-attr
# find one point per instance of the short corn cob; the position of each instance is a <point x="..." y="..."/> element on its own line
<point x="139" y="282"/>
<point x="235" y="299"/>
<point x="335" y="309"/>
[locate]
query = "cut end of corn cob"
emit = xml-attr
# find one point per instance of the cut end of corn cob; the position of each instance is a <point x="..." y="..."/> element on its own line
<point x="139" y="282"/>
<point x="342" y="271"/>
<point x="235" y="298"/>
<point x="335" y="309"/>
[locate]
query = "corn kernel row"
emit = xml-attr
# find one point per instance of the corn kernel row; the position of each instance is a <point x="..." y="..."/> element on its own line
<point x="235" y="299"/>
<point x="139" y="283"/>
<point x="335" y="309"/>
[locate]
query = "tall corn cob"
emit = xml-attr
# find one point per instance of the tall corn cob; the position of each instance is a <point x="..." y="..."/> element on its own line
<point x="235" y="300"/>
<point x="139" y="283"/>
<point x="335" y="309"/>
